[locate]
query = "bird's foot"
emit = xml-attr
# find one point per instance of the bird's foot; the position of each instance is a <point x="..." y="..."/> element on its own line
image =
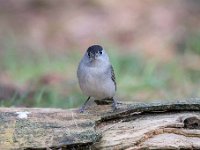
<point x="114" y="105"/>
<point x="82" y="109"/>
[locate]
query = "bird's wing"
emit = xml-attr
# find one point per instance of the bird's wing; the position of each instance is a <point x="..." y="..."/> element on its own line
<point x="113" y="76"/>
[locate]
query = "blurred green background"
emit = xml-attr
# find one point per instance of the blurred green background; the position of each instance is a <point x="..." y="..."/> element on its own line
<point x="154" y="46"/>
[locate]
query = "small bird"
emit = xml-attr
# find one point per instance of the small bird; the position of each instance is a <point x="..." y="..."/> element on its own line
<point x="96" y="76"/>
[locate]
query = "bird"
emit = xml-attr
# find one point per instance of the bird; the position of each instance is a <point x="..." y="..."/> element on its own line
<point x="96" y="76"/>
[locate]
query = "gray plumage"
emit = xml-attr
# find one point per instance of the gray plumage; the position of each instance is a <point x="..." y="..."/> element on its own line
<point x="96" y="75"/>
<point x="113" y="77"/>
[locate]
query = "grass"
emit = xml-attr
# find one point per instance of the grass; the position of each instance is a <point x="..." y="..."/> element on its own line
<point x="138" y="79"/>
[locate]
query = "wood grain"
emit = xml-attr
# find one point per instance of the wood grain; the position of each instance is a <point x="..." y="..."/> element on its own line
<point x="172" y="125"/>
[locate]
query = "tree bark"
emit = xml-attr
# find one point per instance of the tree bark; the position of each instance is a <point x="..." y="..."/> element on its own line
<point x="173" y="125"/>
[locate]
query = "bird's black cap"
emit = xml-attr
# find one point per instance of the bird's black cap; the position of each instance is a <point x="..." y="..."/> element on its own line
<point x="94" y="49"/>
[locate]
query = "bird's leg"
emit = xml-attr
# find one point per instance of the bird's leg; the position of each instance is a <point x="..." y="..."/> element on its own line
<point x="81" y="110"/>
<point x="114" y="104"/>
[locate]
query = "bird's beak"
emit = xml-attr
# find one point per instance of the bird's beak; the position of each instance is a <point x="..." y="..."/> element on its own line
<point x="93" y="56"/>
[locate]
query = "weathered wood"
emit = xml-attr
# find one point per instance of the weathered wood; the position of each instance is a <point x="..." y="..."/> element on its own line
<point x="172" y="125"/>
<point x="145" y="131"/>
<point x="41" y="128"/>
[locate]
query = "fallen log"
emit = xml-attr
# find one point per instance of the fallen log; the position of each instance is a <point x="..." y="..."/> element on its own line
<point x="173" y="125"/>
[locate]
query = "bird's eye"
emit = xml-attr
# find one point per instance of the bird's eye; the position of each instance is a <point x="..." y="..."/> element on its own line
<point x="100" y="52"/>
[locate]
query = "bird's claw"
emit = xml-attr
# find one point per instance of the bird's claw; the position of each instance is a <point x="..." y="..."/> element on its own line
<point x="81" y="110"/>
<point x="114" y="105"/>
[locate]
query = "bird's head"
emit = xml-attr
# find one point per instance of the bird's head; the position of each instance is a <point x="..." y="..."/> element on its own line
<point x="96" y="53"/>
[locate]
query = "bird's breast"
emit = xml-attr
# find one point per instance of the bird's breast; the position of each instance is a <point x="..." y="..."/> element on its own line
<point x="96" y="83"/>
